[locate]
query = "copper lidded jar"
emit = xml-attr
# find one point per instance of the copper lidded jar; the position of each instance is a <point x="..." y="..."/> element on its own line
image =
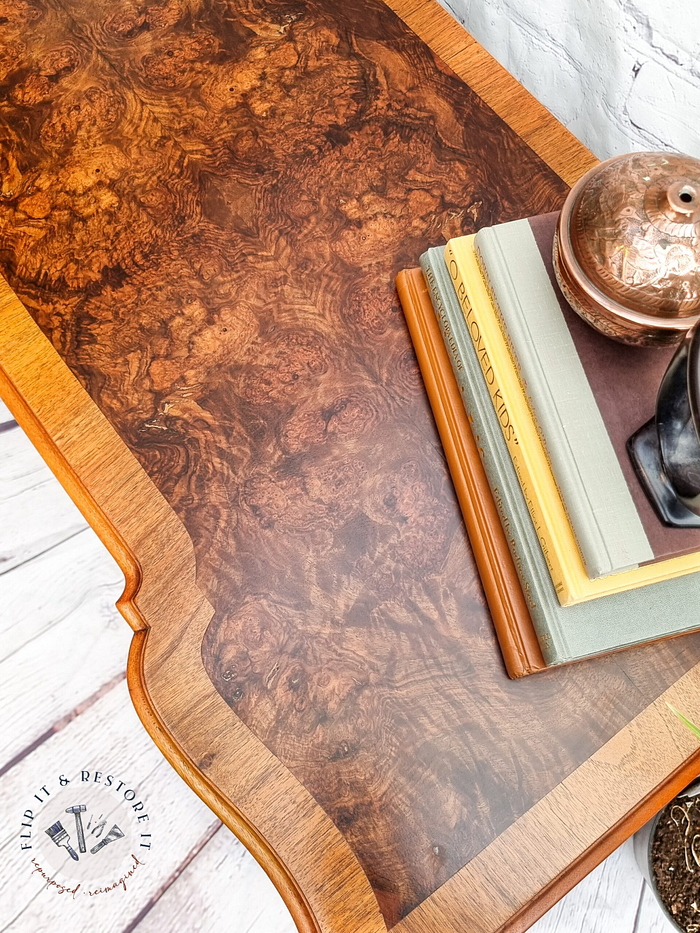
<point x="627" y="247"/>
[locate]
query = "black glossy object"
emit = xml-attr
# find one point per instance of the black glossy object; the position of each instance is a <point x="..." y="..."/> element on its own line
<point x="666" y="450"/>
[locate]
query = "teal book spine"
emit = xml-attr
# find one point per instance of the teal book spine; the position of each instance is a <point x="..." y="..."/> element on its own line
<point x="599" y="504"/>
<point x="568" y="633"/>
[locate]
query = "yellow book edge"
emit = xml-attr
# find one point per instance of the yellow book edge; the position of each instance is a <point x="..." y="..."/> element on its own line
<point x="539" y="487"/>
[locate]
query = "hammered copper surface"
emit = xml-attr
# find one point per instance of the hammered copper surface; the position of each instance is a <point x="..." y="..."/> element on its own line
<point x="204" y="205"/>
<point x="627" y="253"/>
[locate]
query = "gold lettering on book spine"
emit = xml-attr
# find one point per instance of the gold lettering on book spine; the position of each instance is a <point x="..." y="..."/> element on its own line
<point x="500" y="408"/>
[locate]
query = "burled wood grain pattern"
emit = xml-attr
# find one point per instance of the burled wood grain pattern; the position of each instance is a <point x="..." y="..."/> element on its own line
<point x="204" y="205"/>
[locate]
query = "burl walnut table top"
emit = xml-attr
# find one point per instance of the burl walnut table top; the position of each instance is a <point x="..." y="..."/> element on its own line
<point x="204" y="204"/>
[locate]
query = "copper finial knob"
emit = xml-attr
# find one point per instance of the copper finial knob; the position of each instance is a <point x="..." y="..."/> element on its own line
<point x="627" y="247"/>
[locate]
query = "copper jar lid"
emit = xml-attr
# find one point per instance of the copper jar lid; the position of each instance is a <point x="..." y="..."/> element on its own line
<point x="627" y="247"/>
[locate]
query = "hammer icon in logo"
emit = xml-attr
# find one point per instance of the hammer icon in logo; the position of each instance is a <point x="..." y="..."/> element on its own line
<point x="77" y="811"/>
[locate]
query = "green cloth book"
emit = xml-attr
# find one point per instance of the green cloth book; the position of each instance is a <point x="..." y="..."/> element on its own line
<point x="565" y="633"/>
<point x="585" y="466"/>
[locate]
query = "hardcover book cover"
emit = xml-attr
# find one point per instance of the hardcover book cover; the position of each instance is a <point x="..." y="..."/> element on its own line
<point x="565" y="634"/>
<point x="587" y="394"/>
<point x="511" y="618"/>
<point x="519" y="429"/>
<point x="594" y="491"/>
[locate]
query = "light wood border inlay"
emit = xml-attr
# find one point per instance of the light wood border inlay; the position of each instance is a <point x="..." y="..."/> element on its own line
<point x="507" y="884"/>
<point x="552" y="142"/>
<point x="314" y="869"/>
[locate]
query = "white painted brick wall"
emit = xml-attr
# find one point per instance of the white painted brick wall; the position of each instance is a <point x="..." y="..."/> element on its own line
<point x="620" y="74"/>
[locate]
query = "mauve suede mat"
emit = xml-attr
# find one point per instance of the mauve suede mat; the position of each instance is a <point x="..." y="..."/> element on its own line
<point x="625" y="381"/>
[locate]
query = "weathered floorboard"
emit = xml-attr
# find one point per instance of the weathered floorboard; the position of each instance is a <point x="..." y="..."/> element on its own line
<point x="222" y="889"/>
<point x="75" y="640"/>
<point x="108" y="735"/>
<point x="66" y="598"/>
<point x="35" y="513"/>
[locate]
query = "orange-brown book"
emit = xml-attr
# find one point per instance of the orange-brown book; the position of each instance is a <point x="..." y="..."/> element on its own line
<point x="511" y="618"/>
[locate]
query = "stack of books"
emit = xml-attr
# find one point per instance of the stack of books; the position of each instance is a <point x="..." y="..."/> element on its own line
<point x="534" y="409"/>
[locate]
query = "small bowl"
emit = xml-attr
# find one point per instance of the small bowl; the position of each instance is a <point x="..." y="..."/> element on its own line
<point x="627" y="247"/>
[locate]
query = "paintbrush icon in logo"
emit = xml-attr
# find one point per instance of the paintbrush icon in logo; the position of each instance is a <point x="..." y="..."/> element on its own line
<point x="62" y="839"/>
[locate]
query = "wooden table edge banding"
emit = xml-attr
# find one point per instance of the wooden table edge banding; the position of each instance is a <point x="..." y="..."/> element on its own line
<point x="131" y="518"/>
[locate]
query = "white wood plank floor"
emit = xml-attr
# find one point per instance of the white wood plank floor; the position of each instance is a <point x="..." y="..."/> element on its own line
<point x="60" y="632"/>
